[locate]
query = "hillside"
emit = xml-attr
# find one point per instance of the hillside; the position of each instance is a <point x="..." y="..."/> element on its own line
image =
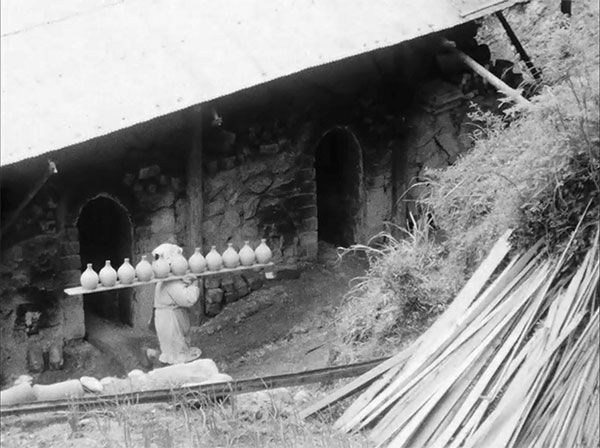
<point x="534" y="171"/>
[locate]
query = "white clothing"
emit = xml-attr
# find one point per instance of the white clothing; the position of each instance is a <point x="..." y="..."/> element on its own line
<point x="172" y="321"/>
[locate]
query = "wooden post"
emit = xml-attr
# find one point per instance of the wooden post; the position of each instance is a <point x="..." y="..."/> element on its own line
<point x="537" y="75"/>
<point x="488" y="76"/>
<point x="195" y="177"/>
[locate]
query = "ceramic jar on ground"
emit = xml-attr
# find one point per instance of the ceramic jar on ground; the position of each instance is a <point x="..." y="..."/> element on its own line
<point x="89" y="279"/>
<point x="231" y="259"/>
<point x="197" y="262"/>
<point x="126" y="273"/>
<point x="179" y="264"/>
<point x="108" y="275"/>
<point x="143" y="270"/>
<point x="263" y="253"/>
<point x="214" y="261"/>
<point x="247" y="256"/>
<point x="161" y="267"/>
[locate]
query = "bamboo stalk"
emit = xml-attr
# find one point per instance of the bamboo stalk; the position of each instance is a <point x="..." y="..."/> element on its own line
<point x="511" y="93"/>
<point x="483" y="382"/>
<point x="474" y="352"/>
<point x="442" y="326"/>
<point x="373" y="390"/>
<point x="516" y="366"/>
<point x="357" y="384"/>
<point x="531" y="374"/>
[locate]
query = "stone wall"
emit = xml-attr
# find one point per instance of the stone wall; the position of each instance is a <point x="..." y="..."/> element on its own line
<point x="41" y="255"/>
<point x="265" y="191"/>
<point x="33" y="316"/>
<point x="440" y="133"/>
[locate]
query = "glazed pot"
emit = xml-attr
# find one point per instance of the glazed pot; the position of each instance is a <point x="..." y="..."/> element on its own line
<point x="263" y="253"/>
<point x="214" y="261"/>
<point x="231" y="259"/>
<point x="197" y="262"/>
<point x="126" y="273"/>
<point x="161" y="268"/>
<point x="89" y="279"/>
<point x="108" y="276"/>
<point x="179" y="264"/>
<point x="247" y="256"/>
<point x="143" y="270"/>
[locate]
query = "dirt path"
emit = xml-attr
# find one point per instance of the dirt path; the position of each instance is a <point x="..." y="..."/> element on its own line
<point x="284" y="327"/>
<point x="292" y="328"/>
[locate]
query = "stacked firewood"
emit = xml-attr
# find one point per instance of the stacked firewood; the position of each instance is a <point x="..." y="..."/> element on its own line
<point x="512" y="362"/>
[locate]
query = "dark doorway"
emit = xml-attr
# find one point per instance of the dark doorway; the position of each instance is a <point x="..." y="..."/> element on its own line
<point x="338" y="163"/>
<point x="105" y="233"/>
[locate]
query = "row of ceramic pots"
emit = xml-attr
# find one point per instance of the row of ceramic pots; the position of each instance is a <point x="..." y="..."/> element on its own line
<point x="177" y="265"/>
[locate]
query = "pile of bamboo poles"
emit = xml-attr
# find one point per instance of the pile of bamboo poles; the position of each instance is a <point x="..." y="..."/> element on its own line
<point x="511" y="364"/>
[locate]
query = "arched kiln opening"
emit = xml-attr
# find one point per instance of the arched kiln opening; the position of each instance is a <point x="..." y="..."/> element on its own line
<point x="339" y="173"/>
<point x="105" y="233"/>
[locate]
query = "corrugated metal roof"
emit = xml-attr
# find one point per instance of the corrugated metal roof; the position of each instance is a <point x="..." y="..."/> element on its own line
<point x="91" y="67"/>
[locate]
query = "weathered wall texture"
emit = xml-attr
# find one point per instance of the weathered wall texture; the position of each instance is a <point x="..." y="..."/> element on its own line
<point x="439" y="133"/>
<point x="41" y="255"/>
<point x="267" y="191"/>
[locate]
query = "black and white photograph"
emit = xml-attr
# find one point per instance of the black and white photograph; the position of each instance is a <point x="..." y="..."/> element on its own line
<point x="300" y="224"/>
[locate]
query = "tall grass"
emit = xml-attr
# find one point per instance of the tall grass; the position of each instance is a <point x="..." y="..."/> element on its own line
<point x="405" y="287"/>
<point x="197" y="421"/>
<point x="535" y="174"/>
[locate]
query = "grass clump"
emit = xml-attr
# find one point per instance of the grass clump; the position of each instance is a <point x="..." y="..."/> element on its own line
<point x="193" y="421"/>
<point x="406" y="286"/>
<point x="536" y="175"/>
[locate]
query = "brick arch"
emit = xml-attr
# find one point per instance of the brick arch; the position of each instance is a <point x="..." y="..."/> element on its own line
<point x="105" y="232"/>
<point x="118" y="205"/>
<point x="75" y="209"/>
<point x="71" y="260"/>
<point x="339" y="175"/>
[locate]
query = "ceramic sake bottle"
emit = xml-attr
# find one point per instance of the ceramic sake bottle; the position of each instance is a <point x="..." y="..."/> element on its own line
<point x="247" y="256"/>
<point x="263" y="253"/>
<point x="143" y="270"/>
<point x="89" y="279"/>
<point x="108" y="276"/>
<point x="231" y="259"/>
<point x="126" y="273"/>
<point x="214" y="260"/>
<point x="161" y="268"/>
<point x="197" y="262"/>
<point x="179" y="264"/>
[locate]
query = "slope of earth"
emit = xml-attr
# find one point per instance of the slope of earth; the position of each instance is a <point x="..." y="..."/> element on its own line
<point x="285" y="327"/>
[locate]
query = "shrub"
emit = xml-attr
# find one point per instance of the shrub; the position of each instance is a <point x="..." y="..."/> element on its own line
<point x="405" y="287"/>
<point x="537" y="175"/>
